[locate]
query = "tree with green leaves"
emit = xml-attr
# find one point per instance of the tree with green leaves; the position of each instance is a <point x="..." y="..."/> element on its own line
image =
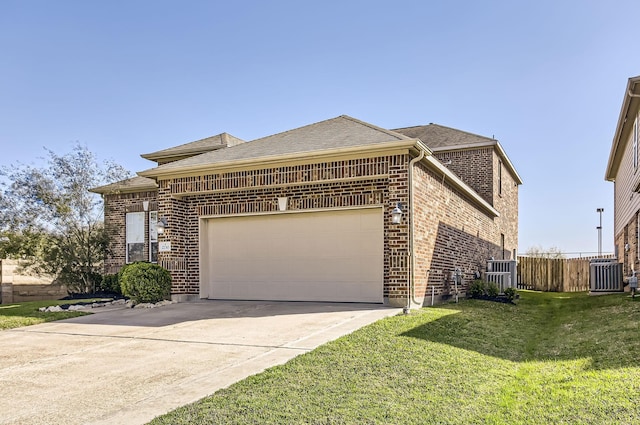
<point x="50" y="220"/>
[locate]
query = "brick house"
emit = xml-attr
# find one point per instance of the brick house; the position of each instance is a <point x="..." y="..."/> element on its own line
<point x="623" y="170"/>
<point x="307" y="214"/>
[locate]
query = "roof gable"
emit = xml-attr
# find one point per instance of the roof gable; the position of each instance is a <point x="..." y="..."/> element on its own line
<point x="440" y="138"/>
<point x="437" y="136"/>
<point x="133" y="184"/>
<point x="207" y="144"/>
<point x="335" y="133"/>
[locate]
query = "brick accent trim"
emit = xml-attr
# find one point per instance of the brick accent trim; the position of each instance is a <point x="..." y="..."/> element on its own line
<point x="449" y="231"/>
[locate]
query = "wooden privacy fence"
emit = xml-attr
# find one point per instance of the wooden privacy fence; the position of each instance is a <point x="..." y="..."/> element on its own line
<point x="554" y="274"/>
<point x="17" y="286"/>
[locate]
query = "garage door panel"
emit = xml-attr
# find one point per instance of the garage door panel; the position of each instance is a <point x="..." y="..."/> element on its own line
<point x="369" y="269"/>
<point x="368" y="225"/>
<point x="319" y="256"/>
<point x="368" y="245"/>
<point x="279" y="243"/>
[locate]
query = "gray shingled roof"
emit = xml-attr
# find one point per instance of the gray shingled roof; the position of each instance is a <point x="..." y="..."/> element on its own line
<point x="339" y="132"/>
<point x="134" y="184"/>
<point x="194" y="148"/>
<point x="438" y="137"/>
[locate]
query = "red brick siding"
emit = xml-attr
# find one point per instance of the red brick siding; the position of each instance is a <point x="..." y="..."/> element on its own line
<point x="506" y="203"/>
<point x="630" y="258"/>
<point x="116" y="206"/>
<point x="475" y="168"/>
<point x="364" y="182"/>
<point x="449" y="233"/>
<point x="479" y="168"/>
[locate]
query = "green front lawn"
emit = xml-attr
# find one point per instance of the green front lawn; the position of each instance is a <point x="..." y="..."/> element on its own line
<point x="24" y="314"/>
<point x="552" y="359"/>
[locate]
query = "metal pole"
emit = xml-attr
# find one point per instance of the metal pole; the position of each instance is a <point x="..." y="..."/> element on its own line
<point x="599" y="211"/>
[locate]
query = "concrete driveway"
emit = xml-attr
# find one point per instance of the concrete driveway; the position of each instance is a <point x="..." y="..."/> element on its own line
<point x="127" y="366"/>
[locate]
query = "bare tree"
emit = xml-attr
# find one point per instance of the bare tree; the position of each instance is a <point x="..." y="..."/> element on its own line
<point x="539" y="252"/>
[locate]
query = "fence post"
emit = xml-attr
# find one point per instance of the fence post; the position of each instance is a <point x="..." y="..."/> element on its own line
<point x="566" y="275"/>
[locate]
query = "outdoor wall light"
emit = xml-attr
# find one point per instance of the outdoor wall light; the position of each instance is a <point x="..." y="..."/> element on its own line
<point x="282" y="204"/>
<point x="161" y="225"/>
<point x="396" y="214"/>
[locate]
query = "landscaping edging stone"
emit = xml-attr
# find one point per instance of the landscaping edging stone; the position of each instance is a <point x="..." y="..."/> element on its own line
<point x="102" y="303"/>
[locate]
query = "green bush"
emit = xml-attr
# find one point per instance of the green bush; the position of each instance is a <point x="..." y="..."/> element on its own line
<point x="510" y="293"/>
<point x="491" y="290"/>
<point x="145" y="282"/>
<point x="110" y="283"/>
<point x="476" y="289"/>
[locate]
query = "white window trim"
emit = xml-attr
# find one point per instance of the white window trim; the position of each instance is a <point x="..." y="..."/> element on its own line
<point x="134" y="231"/>
<point x="153" y="234"/>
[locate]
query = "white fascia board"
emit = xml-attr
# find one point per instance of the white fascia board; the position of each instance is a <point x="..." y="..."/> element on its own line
<point x="280" y="159"/>
<point x="618" y="144"/>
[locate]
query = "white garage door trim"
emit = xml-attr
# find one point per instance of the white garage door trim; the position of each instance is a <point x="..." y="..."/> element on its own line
<point x="327" y="255"/>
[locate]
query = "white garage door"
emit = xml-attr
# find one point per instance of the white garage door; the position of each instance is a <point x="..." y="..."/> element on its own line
<point x="315" y="256"/>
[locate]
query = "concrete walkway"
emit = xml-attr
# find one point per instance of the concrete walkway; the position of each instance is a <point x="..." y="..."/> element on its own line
<point x="127" y="366"/>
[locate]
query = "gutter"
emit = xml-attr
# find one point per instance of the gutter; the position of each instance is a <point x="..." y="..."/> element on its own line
<point x="411" y="290"/>
<point x="271" y="160"/>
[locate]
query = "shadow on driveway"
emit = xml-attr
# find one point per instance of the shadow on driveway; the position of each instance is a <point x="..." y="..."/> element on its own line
<point x="131" y="365"/>
<point x="173" y="314"/>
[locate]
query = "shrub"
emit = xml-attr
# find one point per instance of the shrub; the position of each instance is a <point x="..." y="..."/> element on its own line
<point x="510" y="293"/>
<point x="145" y="282"/>
<point x="110" y="283"/>
<point x="491" y="290"/>
<point x="476" y="289"/>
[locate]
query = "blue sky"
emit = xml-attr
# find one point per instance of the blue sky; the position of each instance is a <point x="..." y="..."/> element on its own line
<point x="546" y="78"/>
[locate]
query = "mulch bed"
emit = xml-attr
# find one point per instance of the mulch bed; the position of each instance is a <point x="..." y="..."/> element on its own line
<point x="498" y="299"/>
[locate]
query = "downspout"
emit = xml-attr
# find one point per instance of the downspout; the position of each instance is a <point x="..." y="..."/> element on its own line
<point x="410" y="287"/>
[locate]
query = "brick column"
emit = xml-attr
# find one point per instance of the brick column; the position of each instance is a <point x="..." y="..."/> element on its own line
<point x="397" y="260"/>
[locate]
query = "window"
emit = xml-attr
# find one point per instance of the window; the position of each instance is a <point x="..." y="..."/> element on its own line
<point x="502" y="245"/>
<point x="153" y="236"/>
<point x="635" y="144"/>
<point x="135" y="236"/>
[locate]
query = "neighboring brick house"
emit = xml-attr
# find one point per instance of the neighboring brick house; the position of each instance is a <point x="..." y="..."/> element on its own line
<point x="623" y="169"/>
<point x="307" y="214"/>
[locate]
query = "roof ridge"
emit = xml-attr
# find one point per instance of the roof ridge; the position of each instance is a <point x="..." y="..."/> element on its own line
<point x="292" y="129"/>
<point x="216" y="141"/>
<point x="375" y="127"/>
<point x="343" y="116"/>
<point x="463" y="131"/>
